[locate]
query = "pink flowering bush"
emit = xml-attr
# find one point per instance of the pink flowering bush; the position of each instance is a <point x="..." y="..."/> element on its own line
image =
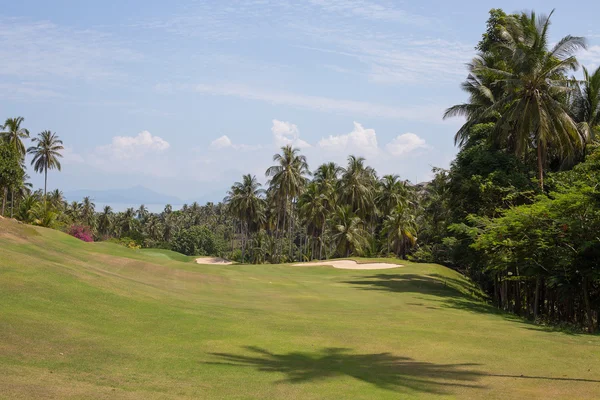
<point x="81" y="232"/>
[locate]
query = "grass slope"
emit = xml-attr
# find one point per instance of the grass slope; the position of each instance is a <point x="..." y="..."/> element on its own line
<point x="97" y="320"/>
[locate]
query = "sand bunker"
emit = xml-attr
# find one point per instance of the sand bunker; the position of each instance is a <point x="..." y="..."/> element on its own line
<point x="350" y="264"/>
<point x="213" y="260"/>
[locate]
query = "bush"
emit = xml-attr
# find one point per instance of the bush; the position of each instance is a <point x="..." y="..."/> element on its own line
<point x="81" y="232"/>
<point x="197" y="241"/>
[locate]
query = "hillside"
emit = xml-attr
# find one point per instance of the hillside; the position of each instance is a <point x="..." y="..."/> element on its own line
<point x="97" y="320"/>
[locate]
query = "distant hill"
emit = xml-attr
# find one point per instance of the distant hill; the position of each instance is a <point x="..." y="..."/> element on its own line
<point x="133" y="195"/>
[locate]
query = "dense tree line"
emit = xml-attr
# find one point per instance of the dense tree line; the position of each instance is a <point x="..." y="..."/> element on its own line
<point x="517" y="211"/>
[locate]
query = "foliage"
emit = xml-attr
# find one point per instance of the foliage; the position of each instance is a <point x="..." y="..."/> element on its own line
<point x="81" y="232"/>
<point x="196" y="241"/>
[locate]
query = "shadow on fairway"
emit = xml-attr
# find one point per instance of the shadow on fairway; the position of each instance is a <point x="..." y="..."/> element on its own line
<point x="383" y="370"/>
<point x="410" y="283"/>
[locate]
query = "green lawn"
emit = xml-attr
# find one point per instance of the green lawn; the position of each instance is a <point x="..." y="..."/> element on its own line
<point x="98" y="320"/>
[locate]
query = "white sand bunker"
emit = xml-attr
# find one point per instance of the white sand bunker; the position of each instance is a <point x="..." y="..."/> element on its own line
<point x="213" y="260"/>
<point x="349" y="264"/>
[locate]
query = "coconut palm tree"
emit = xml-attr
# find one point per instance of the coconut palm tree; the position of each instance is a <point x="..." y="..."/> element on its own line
<point x="288" y="177"/>
<point x="246" y="203"/>
<point x="585" y="103"/>
<point x="392" y="193"/>
<point x="46" y="153"/>
<point x="400" y="228"/>
<point x="88" y="212"/>
<point x="14" y="134"/>
<point x="357" y="187"/>
<point x="105" y="221"/>
<point x="348" y="232"/>
<point x="533" y="112"/>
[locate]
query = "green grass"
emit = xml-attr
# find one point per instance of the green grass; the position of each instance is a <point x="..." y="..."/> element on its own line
<point x="97" y="320"/>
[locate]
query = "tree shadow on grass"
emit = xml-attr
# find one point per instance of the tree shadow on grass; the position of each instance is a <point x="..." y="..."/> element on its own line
<point x="409" y="283"/>
<point x="383" y="370"/>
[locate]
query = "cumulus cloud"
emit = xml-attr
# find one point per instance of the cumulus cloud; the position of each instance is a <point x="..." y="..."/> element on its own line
<point x="405" y="143"/>
<point x="360" y="141"/>
<point x="286" y="133"/>
<point x="221" y="142"/>
<point x="132" y="147"/>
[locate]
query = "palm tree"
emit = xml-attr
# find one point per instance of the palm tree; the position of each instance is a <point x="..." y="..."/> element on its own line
<point x="46" y="153"/>
<point x="105" y="220"/>
<point x="142" y="213"/>
<point x="88" y="212"/>
<point x="348" y="232"/>
<point x="533" y="112"/>
<point x="288" y="179"/>
<point x="482" y="92"/>
<point x="246" y="202"/>
<point x="392" y="193"/>
<point x="357" y="187"/>
<point x="585" y="103"/>
<point x="400" y="230"/>
<point x="14" y="134"/>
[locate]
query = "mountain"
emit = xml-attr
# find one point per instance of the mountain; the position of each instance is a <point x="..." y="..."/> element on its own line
<point x="133" y="195"/>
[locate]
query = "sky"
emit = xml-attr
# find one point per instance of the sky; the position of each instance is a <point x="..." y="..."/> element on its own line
<point x="183" y="97"/>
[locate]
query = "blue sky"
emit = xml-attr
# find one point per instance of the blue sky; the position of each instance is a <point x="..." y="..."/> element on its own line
<point x="185" y="97"/>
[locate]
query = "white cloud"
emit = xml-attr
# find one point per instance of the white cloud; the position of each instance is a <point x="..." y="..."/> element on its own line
<point x="133" y="147"/>
<point x="360" y="141"/>
<point x="221" y="142"/>
<point x="405" y="143"/>
<point x="286" y="133"/>
<point x="377" y="11"/>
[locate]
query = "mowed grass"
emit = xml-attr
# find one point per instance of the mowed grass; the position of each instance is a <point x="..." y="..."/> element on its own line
<point x="89" y="321"/>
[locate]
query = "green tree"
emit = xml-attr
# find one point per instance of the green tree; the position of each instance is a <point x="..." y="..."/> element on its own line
<point x="46" y="153"/>
<point x="533" y="110"/>
<point x="14" y="134"/>
<point x="11" y="172"/>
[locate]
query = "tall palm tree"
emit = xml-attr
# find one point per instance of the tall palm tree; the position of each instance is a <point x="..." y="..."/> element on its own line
<point x="533" y="112"/>
<point x="46" y="153"/>
<point x="400" y="230"/>
<point x="357" y="187"/>
<point x="14" y="134"/>
<point x="88" y="210"/>
<point x="105" y="220"/>
<point x="246" y="202"/>
<point x="287" y="180"/>
<point x="348" y="232"/>
<point x="392" y="193"/>
<point x="585" y="103"/>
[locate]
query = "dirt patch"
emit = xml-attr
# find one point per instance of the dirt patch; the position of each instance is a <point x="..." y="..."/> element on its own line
<point x="350" y="264"/>
<point x="213" y="261"/>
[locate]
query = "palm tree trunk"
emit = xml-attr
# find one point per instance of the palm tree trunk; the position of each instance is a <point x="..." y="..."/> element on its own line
<point x="12" y="202"/>
<point x="536" y="300"/>
<point x="588" y="308"/>
<point x="540" y="164"/>
<point x="4" y="199"/>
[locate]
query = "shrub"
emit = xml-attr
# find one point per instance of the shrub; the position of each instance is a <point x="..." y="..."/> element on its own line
<point x="196" y="241"/>
<point x="81" y="232"/>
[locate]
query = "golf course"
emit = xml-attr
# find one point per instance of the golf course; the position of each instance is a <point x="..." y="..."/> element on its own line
<point x="101" y="321"/>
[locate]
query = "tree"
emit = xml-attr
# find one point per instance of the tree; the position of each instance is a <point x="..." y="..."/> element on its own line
<point x="196" y="241"/>
<point x="357" y="186"/>
<point x="348" y="232"/>
<point x="533" y="110"/>
<point x="11" y="172"/>
<point x="585" y="103"/>
<point x="105" y="220"/>
<point x="400" y="230"/>
<point x="246" y="203"/>
<point x="288" y="179"/>
<point x="14" y="134"/>
<point x="46" y="153"/>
